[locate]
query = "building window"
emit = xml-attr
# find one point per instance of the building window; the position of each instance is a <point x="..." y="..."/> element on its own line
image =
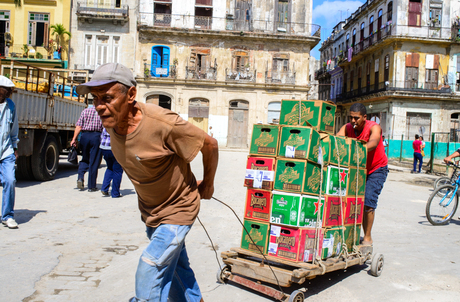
<point x="418" y="123"/>
<point x="359" y="80"/>
<point x="353" y="41"/>
<point x="102" y="44"/>
<point x="386" y="74"/>
<point x="379" y="24"/>
<point x="348" y="39"/>
<point x="274" y="110"/>
<point x="162" y="13"/>
<point x="283" y="16"/>
<point x="431" y="72"/>
<point x="240" y="60"/>
<point x="88" y="50"/>
<point x="160" y="61"/>
<point x="352" y="75"/>
<point x="361" y="34"/>
<point x="435" y="13"/>
<point x="116" y="50"/>
<point x="280" y="63"/>
<point x="371" y="26"/>
<point x="390" y="11"/>
<point x="415" y="12"/>
<point x="412" y="64"/>
<point x="38" y="29"/>
<point x="376" y="74"/>
<point x="368" y="77"/>
<point x="203" y="14"/>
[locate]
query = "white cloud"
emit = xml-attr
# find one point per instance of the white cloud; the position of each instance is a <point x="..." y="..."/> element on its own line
<point x="328" y="13"/>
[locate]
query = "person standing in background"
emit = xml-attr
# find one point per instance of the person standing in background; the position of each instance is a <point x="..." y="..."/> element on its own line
<point x="90" y="126"/>
<point x="114" y="171"/>
<point x="417" y="154"/>
<point x="9" y="130"/>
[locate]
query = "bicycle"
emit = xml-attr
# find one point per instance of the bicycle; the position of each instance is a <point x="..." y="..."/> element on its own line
<point x="443" y="202"/>
<point x="444" y="180"/>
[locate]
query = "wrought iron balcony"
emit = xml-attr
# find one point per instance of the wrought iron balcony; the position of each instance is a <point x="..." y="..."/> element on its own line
<point x="96" y="10"/>
<point x="276" y="77"/>
<point x="243" y="75"/>
<point x="148" y="19"/>
<point x="201" y="74"/>
<point x="160" y="73"/>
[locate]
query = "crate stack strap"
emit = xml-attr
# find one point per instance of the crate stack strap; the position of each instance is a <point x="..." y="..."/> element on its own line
<point x="279" y="155"/>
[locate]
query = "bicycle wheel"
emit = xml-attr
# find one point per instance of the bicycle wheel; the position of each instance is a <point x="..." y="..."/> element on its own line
<point x="440" y="209"/>
<point x="442" y="181"/>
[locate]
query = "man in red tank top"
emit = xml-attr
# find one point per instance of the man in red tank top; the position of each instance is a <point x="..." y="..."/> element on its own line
<point x="377" y="162"/>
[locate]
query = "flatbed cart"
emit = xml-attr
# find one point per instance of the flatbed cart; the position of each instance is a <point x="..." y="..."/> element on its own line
<point x="240" y="264"/>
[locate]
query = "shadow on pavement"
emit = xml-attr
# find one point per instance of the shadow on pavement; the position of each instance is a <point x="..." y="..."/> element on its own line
<point x="427" y="223"/>
<point x="314" y="286"/>
<point x="25" y="215"/>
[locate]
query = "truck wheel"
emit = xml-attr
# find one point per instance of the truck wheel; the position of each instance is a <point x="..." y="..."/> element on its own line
<point x="24" y="168"/>
<point x="45" y="163"/>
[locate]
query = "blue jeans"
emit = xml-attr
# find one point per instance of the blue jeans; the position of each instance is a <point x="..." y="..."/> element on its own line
<point x="8" y="182"/>
<point x="418" y="157"/>
<point x="374" y="186"/>
<point x="91" y="156"/>
<point x="164" y="269"/>
<point x="113" y="174"/>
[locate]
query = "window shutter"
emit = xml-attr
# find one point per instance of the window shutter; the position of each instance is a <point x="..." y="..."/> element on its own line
<point x="165" y="59"/>
<point x="408" y="59"/>
<point x="415" y="59"/>
<point x="436" y="62"/>
<point x="155" y="62"/>
<point x="458" y="63"/>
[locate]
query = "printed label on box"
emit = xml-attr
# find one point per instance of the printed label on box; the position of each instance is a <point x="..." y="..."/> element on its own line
<point x="290" y="152"/>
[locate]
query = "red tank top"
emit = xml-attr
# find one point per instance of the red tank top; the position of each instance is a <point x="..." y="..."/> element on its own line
<point x="375" y="158"/>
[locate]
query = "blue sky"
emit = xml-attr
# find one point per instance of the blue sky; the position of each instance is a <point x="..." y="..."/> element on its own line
<point x="327" y="14"/>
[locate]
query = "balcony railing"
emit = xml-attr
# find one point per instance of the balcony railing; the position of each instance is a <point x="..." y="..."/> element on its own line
<point x="161" y="72"/>
<point x="407" y="86"/>
<point x="277" y="77"/>
<point x="245" y="75"/>
<point x="34" y="52"/>
<point x="201" y="74"/>
<point x="149" y="19"/>
<point x="102" y="11"/>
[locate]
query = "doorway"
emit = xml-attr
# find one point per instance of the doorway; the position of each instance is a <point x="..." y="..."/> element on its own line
<point x="160" y="100"/>
<point x="238" y="124"/>
<point x="198" y="113"/>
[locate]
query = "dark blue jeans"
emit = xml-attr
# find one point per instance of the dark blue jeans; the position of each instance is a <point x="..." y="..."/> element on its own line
<point x="418" y="157"/>
<point x="113" y="174"/>
<point x="91" y="156"/>
<point x="374" y="185"/>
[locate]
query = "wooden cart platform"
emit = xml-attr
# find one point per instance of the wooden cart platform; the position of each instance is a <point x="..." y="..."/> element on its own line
<point x="241" y="264"/>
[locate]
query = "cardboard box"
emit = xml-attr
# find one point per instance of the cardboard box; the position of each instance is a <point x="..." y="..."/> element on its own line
<point x="311" y="211"/>
<point x="315" y="113"/>
<point x="332" y="242"/>
<point x="354" y="208"/>
<point x="258" y="204"/>
<point x="285" y="208"/>
<point x="259" y="232"/>
<point x="356" y="176"/>
<point x="349" y="236"/>
<point x="358" y="148"/>
<point x="260" y="172"/>
<point x="333" y="211"/>
<point x="294" y="244"/>
<point x="265" y="139"/>
<point x="313" y="179"/>
<point x="325" y="147"/>
<point x="336" y="181"/>
<point x="343" y="144"/>
<point x="299" y="142"/>
<point x="289" y="175"/>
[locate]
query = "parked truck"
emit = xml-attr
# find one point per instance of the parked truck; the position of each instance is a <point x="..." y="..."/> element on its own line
<point x="47" y="112"/>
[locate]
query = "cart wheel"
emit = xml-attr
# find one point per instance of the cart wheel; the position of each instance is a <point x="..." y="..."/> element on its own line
<point x="377" y="265"/>
<point x="221" y="273"/>
<point x="296" y="296"/>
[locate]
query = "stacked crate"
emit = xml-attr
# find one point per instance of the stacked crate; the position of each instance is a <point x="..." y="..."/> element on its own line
<point x="301" y="199"/>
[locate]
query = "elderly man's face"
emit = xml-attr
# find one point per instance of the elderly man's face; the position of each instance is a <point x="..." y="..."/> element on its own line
<point x="112" y="102"/>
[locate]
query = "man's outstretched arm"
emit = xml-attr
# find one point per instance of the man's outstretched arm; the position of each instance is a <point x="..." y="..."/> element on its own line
<point x="210" y="151"/>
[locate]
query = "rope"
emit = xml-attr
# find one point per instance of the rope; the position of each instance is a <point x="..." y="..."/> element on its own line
<point x="344" y="246"/>
<point x="261" y="253"/>
<point x="356" y="194"/>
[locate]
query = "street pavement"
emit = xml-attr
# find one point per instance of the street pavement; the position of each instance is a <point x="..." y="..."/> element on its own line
<point x="81" y="246"/>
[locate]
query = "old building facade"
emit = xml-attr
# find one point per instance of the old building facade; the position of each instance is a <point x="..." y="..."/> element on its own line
<point x="400" y="61"/>
<point x="224" y="65"/>
<point x="103" y="31"/>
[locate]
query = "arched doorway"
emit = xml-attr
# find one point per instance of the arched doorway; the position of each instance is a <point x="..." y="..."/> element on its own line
<point x="238" y="124"/>
<point x="160" y="100"/>
<point x="198" y="113"/>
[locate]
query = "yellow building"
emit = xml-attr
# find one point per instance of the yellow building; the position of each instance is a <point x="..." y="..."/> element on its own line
<point x="25" y="31"/>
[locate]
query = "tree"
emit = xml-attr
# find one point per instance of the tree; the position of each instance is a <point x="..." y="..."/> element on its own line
<point x="60" y="31"/>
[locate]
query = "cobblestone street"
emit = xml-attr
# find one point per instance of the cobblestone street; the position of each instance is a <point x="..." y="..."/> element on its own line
<point x="81" y="246"/>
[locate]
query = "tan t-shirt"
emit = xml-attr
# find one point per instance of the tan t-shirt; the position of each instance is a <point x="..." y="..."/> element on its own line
<point x="156" y="158"/>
